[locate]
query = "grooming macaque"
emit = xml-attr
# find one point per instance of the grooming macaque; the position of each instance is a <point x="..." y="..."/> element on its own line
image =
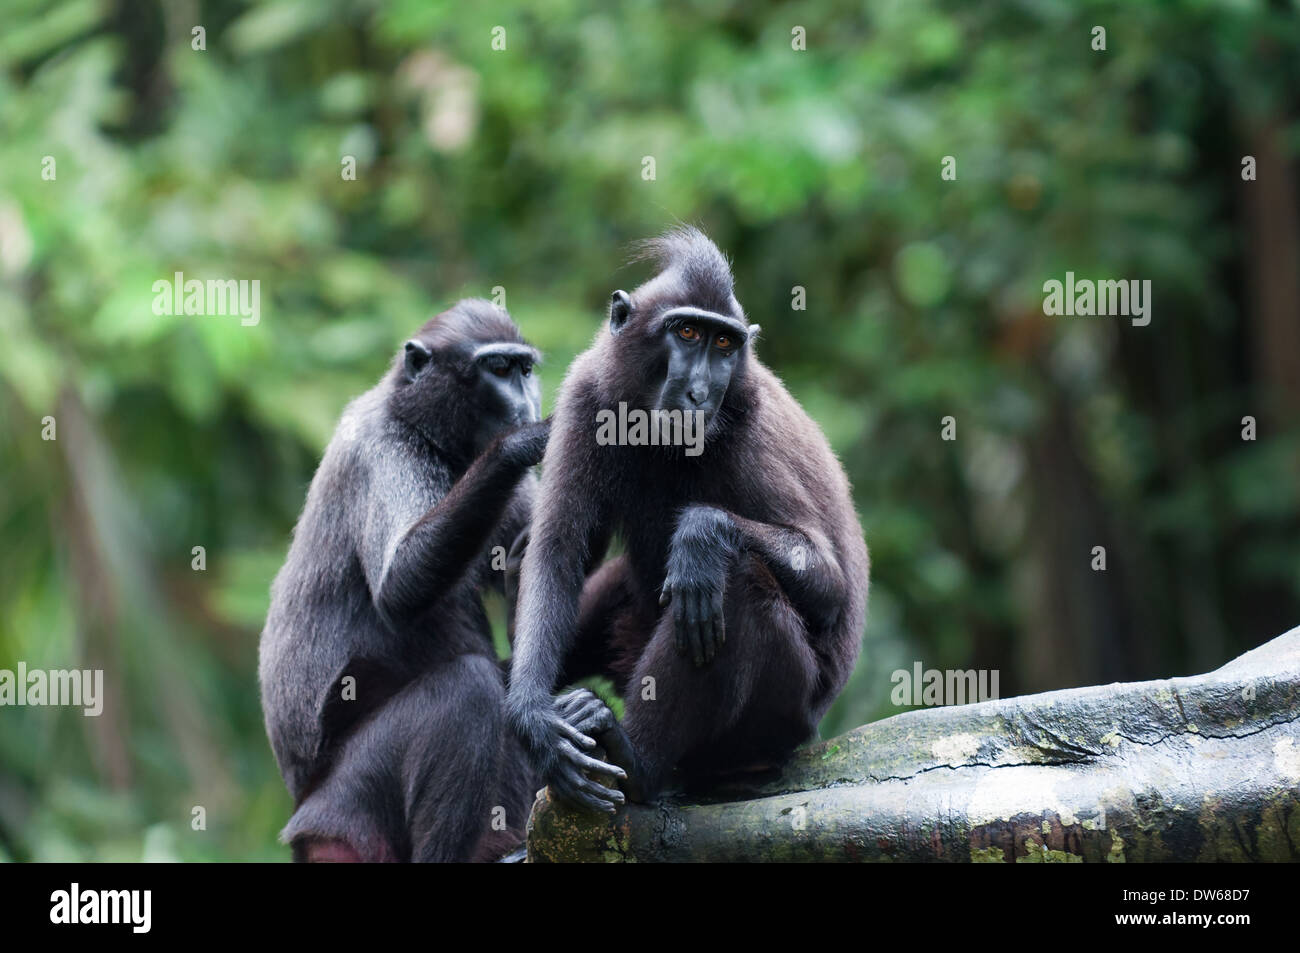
<point x="380" y="685"/>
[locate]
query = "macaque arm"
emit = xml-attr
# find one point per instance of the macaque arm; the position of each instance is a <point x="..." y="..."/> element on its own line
<point x="423" y="559"/>
<point x="802" y="561"/>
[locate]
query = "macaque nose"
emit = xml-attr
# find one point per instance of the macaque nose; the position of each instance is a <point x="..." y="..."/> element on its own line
<point x="527" y="410"/>
<point x="698" y="394"/>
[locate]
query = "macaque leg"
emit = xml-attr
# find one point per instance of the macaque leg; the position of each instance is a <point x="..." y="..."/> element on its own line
<point x="753" y="700"/>
<point x="607" y="599"/>
<point x="422" y="778"/>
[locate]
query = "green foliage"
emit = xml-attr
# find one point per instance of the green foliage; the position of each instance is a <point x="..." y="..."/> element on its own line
<point x="521" y="168"/>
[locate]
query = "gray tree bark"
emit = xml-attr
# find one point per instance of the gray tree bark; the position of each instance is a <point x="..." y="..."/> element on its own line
<point x="1205" y="768"/>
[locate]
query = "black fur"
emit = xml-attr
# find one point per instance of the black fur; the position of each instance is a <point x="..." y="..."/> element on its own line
<point x="756" y="542"/>
<point x="383" y="585"/>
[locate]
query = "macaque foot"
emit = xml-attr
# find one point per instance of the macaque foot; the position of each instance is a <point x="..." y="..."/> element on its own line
<point x="586" y="712"/>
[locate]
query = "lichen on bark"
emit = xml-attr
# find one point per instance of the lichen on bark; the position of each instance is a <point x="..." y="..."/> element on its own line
<point x="1204" y="768"/>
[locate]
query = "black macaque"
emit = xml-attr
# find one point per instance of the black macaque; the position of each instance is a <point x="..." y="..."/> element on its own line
<point x="734" y="616"/>
<point x="381" y="688"/>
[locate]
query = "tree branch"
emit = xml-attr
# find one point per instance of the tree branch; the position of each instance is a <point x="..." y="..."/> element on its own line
<point x="1205" y="768"/>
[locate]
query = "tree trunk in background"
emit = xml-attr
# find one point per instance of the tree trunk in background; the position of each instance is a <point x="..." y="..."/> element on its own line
<point x="1273" y="255"/>
<point x="1081" y="623"/>
<point x="1205" y="768"/>
<point x="97" y="603"/>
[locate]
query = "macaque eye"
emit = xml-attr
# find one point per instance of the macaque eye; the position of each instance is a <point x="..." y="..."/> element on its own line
<point x="723" y="341"/>
<point x="526" y="369"/>
<point x="688" y="332"/>
<point x="501" y="370"/>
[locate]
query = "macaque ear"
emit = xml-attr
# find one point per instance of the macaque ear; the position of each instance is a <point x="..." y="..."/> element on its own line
<point x="417" y="358"/>
<point x="620" y="306"/>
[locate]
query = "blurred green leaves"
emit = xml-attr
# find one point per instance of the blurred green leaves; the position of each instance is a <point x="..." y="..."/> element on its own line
<point x="521" y="169"/>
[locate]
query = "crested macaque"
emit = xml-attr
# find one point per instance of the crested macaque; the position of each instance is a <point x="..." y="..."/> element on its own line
<point x="734" y="615"/>
<point x="380" y="684"/>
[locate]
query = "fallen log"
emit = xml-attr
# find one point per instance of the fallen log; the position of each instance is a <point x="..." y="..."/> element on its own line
<point x="1205" y="768"/>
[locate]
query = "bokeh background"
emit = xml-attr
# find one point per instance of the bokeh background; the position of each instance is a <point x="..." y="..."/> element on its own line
<point x="522" y="169"/>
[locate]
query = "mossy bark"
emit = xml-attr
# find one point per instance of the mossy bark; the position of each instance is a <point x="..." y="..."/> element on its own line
<point x="1205" y="768"/>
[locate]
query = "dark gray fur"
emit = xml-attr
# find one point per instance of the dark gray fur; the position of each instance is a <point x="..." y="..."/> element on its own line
<point x="742" y="588"/>
<point x="383" y="583"/>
